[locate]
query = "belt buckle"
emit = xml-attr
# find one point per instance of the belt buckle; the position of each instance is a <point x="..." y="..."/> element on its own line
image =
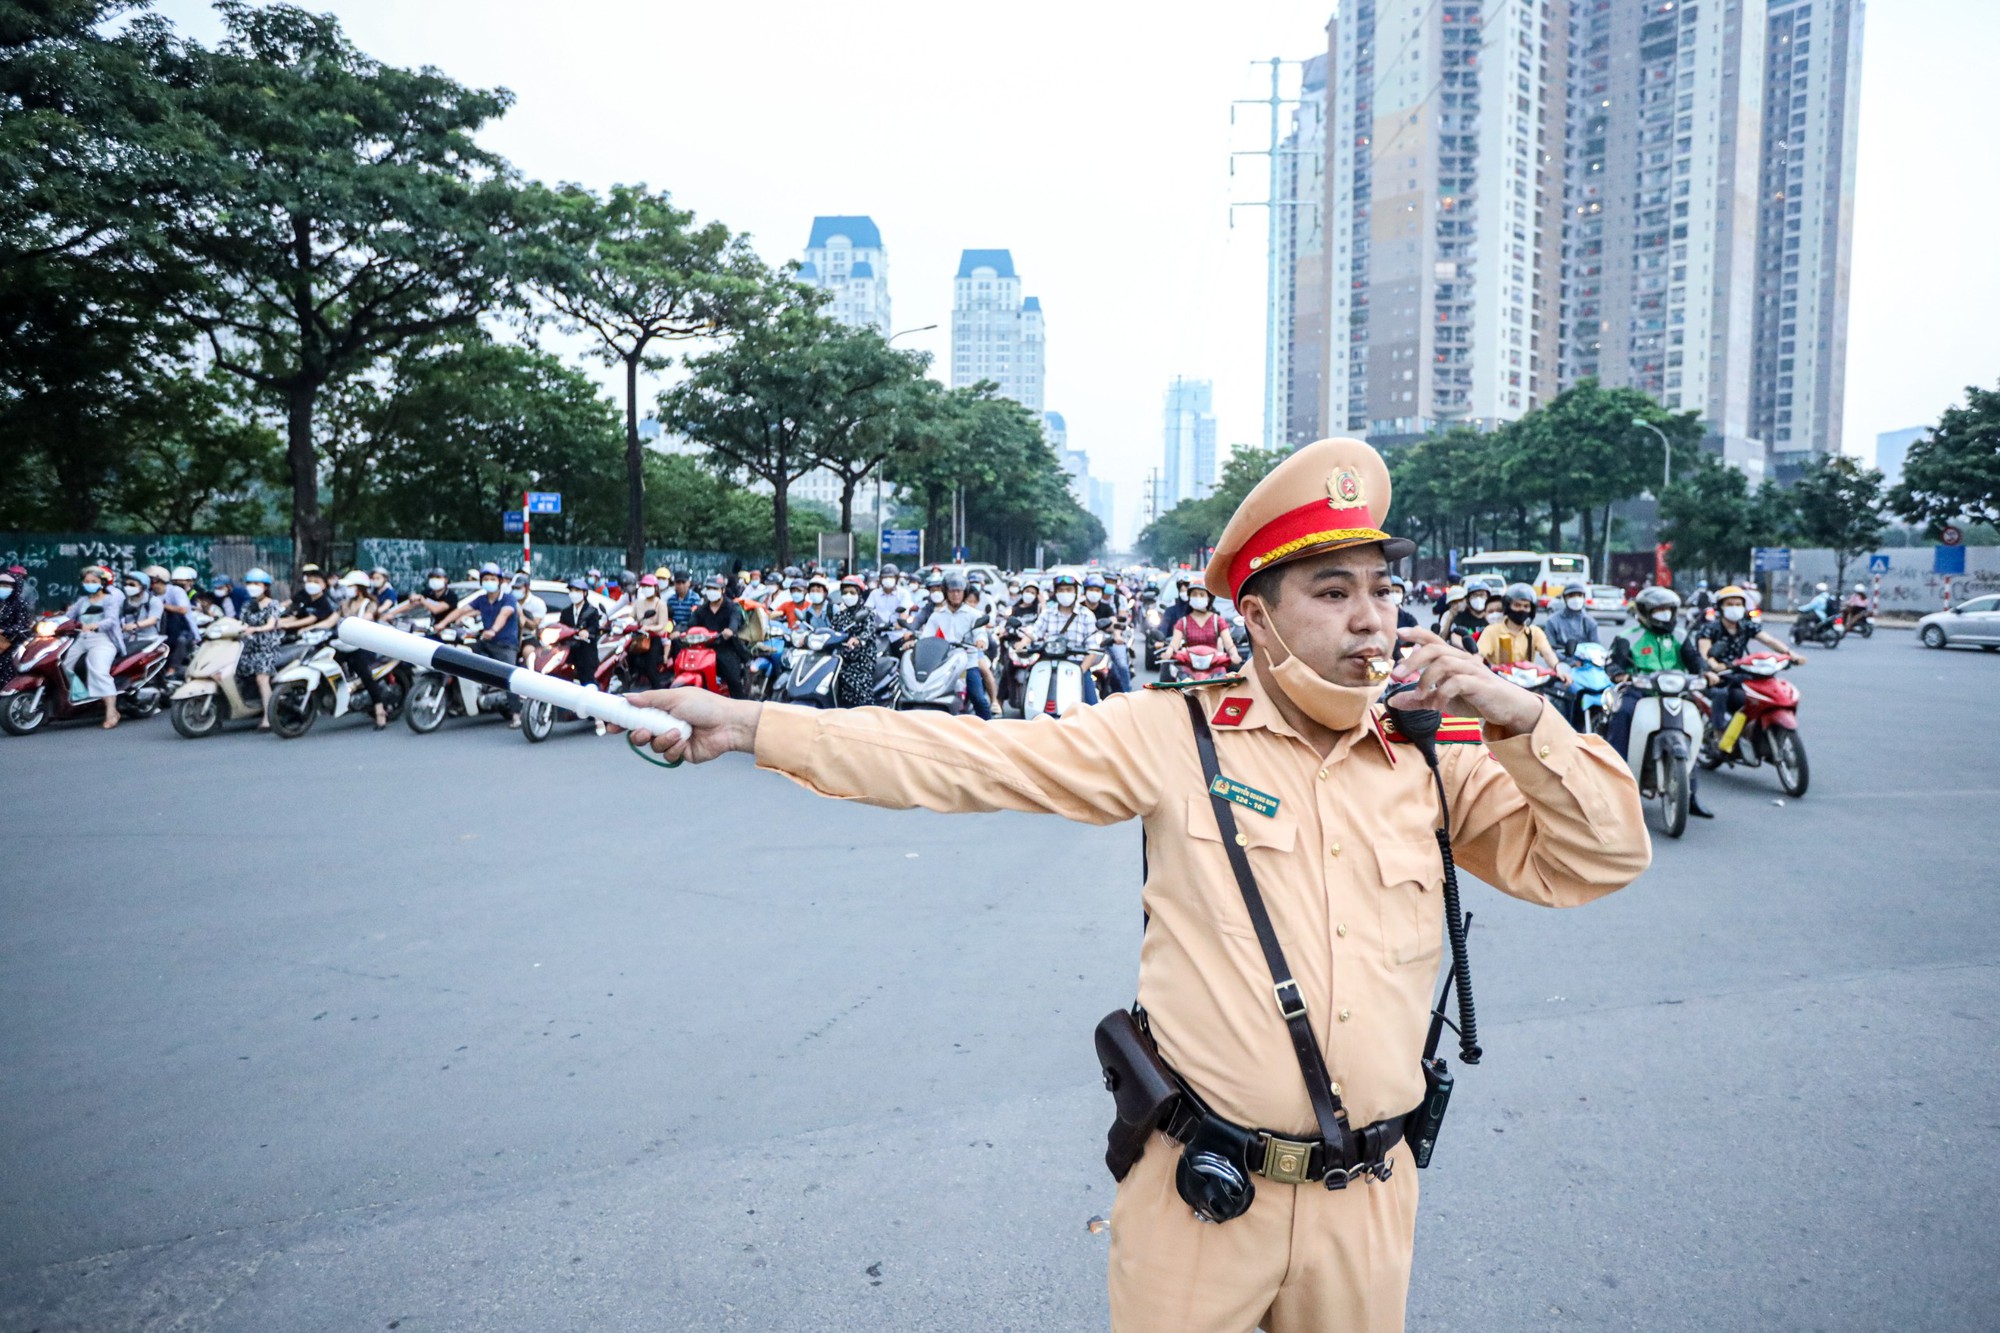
<point x="1286" y="1161"/>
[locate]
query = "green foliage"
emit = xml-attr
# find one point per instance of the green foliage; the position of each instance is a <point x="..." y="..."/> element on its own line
<point x="1954" y="476"/>
<point x="197" y="461"/>
<point x="339" y="210"/>
<point x="1190" y="528"/>
<point x="1839" y="504"/>
<point x="636" y="273"/>
<point x="1707" y="516"/>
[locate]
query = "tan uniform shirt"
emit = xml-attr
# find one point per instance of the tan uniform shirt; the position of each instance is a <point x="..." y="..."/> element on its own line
<point x="1503" y="643"/>
<point x="1348" y="864"/>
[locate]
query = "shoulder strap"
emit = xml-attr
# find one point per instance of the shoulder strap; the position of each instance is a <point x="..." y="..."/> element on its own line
<point x="1291" y="1000"/>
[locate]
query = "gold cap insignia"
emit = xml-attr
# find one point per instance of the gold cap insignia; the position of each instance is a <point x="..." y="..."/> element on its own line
<point x="1343" y="489"/>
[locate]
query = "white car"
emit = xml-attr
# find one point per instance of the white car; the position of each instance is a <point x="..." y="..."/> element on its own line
<point x="1607" y="602"/>
<point x="1973" y="622"/>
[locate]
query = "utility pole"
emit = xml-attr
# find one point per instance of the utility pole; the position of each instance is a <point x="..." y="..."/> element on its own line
<point x="1277" y="278"/>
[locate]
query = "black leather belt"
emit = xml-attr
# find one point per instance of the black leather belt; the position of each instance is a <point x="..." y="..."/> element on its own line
<point x="1299" y="1161"/>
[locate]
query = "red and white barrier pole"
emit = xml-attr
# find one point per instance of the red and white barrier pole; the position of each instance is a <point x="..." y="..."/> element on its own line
<point x="527" y="522"/>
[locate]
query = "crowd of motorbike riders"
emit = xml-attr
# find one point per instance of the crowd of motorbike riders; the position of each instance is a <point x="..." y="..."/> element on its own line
<point x="230" y="649"/>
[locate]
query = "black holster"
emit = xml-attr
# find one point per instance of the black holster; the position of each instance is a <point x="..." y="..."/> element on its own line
<point x="1141" y="1087"/>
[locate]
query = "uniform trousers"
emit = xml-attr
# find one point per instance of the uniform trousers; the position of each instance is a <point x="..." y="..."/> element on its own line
<point x="1303" y="1259"/>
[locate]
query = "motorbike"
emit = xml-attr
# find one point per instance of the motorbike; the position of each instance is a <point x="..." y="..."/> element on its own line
<point x="1196" y="663"/>
<point x="319" y="682"/>
<point x="767" y="665"/>
<point x="694" y="660"/>
<point x="1766" y="729"/>
<point x="1666" y="736"/>
<point x="212" y="694"/>
<point x="1534" y="678"/>
<point x="1055" y="679"/>
<point x="931" y="672"/>
<point x="42" y="692"/>
<point x="815" y="667"/>
<point x="1826" y="631"/>
<point x="1858" y="620"/>
<point x="1153" y="619"/>
<point x="433" y="695"/>
<point x="1589" y="680"/>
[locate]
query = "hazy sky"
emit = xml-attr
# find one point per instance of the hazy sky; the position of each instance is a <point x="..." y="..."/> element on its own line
<point x="1093" y="140"/>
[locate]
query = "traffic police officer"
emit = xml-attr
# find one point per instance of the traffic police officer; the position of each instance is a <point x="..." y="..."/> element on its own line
<point x="1340" y="840"/>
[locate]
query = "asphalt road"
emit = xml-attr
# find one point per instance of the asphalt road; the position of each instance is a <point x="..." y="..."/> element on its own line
<point x="454" y="1032"/>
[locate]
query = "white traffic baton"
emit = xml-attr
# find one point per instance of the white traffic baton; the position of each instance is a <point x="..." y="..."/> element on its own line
<point x="369" y="636"/>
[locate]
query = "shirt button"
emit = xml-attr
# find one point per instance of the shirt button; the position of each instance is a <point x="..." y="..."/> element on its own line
<point x="1335" y="849"/>
<point x="1341" y="930"/>
<point x="1346" y="1014"/>
<point x="1334" y="1089"/>
<point x="1543" y="752"/>
<point x="1242" y="841"/>
<point x="1322" y="775"/>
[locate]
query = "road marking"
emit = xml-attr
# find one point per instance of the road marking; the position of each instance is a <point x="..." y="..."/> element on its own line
<point x="1908" y="795"/>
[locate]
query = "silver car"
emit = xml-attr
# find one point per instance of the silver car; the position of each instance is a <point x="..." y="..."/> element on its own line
<point x="1973" y="622"/>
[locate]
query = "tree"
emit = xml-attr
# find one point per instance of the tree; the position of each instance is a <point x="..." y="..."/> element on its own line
<point x="634" y="272"/>
<point x="1840" y="506"/>
<point x="453" y="433"/>
<point x="196" y="459"/>
<point x="340" y="209"/>
<point x="764" y="404"/>
<point x="1954" y="476"/>
<point x="883" y="401"/>
<point x="1582" y="452"/>
<point x="1707" y="516"/>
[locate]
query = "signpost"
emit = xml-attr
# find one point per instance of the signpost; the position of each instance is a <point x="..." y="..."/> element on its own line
<point x="1771" y="559"/>
<point x="1950" y="536"/>
<point x="903" y="541"/>
<point x="512" y="520"/>
<point x="1948" y="559"/>
<point x="1878" y="565"/>
<point x="534" y="502"/>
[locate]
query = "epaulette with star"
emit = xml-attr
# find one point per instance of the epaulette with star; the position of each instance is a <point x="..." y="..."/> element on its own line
<point x="1451" y="731"/>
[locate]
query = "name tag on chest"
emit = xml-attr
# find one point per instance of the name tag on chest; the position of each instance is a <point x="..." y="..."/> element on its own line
<point x="1229" y="789"/>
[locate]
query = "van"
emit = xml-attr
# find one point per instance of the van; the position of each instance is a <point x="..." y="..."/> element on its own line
<point x="1547" y="574"/>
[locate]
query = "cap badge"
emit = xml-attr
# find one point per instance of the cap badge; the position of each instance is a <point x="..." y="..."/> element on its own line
<point x="1343" y="489"/>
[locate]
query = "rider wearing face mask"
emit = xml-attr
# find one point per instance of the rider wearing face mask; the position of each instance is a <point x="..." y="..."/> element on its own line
<point x="1471" y="620"/>
<point x="1516" y="637"/>
<point x="1203" y="627"/>
<point x="1572" y="624"/>
<point x="1339" y="840"/>
<point x="1654" y="644"/>
<point x="858" y="657"/>
<point x="312" y="607"/>
<point x="17" y="620"/>
<point x="1069" y="620"/>
<point x="725" y="618"/>
<point x="433" y="597"/>
<point x="891" y="602"/>
<point x="500" y="628"/>
<point x="1723" y="639"/>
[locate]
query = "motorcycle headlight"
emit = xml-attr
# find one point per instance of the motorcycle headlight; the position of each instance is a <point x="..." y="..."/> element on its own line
<point x="47" y="628"/>
<point x="1672" y="682"/>
<point x="549" y="636"/>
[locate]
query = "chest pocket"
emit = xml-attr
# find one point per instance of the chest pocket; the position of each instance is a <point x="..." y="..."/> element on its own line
<point x="1221" y="901"/>
<point x="1412" y="901"/>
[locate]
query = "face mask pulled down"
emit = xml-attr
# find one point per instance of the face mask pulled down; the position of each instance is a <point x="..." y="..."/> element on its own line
<point x="1337" y="707"/>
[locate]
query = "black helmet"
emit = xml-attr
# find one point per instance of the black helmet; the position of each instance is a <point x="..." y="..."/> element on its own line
<point x="1657" y="606"/>
<point x="934" y="579"/>
<point x="435" y="572"/>
<point x="1518" y="592"/>
<point x="794" y="572"/>
<point x="890" y="571"/>
<point x="954" y="582"/>
<point x="627" y="579"/>
<point x="1574" y="588"/>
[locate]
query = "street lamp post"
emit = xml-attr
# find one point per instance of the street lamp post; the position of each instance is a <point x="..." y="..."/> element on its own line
<point x="1666" y="453"/>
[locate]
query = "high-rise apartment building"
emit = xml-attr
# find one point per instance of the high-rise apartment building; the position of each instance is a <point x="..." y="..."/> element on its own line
<point x="1445" y="143"/>
<point x="1190" y="460"/>
<point x="996" y="334"/>
<point x="1665" y="108"/>
<point x="1811" y="92"/>
<point x="1296" y="406"/>
<point x="845" y="257"/>
<point x="1892" y="448"/>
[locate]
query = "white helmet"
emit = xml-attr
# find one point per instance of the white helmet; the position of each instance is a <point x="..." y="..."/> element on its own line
<point x="354" y="579"/>
<point x="1822" y="587"/>
<point x="183" y="574"/>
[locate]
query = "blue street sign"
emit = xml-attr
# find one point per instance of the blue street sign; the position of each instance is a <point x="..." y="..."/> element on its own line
<point x="510" y="521"/>
<point x="961" y="554"/>
<point x="1878" y="564"/>
<point x="1947" y="560"/>
<point x="1770" y="559"/>
<point x="545" y="502"/>
<point x="1451" y="561"/>
<point x="902" y="541"/>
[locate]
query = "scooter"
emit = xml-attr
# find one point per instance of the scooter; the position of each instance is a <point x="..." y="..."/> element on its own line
<point x="932" y="672"/>
<point x="694" y="660"/>
<point x="1532" y="677"/>
<point x="1767" y="728"/>
<point x="1055" y="679"/>
<point x="213" y="694"/>
<point x="1203" y="662"/>
<point x="1666" y="736"/>
<point x="433" y="696"/>
<point x="815" y="667"/>
<point x="1858" y="620"/>
<point x="1827" y="631"/>
<point x="767" y="665"/>
<point x="1589" y="681"/>
<point x="42" y="692"/>
<point x="319" y="682"/>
